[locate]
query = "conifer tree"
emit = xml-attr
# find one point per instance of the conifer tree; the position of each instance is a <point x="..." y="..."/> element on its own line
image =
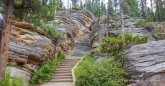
<point x="35" y="11"/>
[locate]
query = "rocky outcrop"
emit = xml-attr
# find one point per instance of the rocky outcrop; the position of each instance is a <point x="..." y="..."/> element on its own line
<point x="30" y="48"/>
<point x="145" y="63"/>
<point x="75" y="24"/>
<point x="27" y="47"/>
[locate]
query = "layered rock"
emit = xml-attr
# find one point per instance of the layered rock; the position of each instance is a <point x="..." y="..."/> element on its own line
<point x="29" y="48"/>
<point x="145" y="63"/>
<point x="75" y="24"/>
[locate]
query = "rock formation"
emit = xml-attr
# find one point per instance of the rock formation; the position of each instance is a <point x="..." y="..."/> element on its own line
<point x="30" y="48"/>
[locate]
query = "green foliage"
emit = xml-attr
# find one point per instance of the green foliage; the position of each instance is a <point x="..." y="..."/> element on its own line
<point x="157" y="33"/>
<point x="60" y="56"/>
<point x="51" y="32"/>
<point x="60" y="6"/>
<point x="95" y="8"/>
<point x="45" y="72"/>
<point x="131" y="8"/>
<point x="150" y="18"/>
<point x="12" y="80"/>
<point x="32" y="11"/>
<point x="115" y="46"/>
<point x="140" y="23"/>
<point x="76" y="8"/>
<point x="109" y="72"/>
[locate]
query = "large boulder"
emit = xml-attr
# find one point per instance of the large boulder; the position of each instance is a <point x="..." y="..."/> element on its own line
<point x="145" y="63"/>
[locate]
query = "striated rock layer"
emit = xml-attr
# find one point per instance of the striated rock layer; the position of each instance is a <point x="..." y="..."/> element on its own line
<point x="29" y="48"/>
<point x="145" y="63"/>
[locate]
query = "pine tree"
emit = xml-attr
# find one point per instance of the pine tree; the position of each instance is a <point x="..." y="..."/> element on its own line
<point x="121" y="16"/>
<point x="35" y="11"/>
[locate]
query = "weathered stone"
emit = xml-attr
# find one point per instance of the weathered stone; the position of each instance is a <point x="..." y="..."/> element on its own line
<point x="146" y="62"/>
<point x="134" y="31"/>
<point x="24" y="25"/>
<point x="19" y="73"/>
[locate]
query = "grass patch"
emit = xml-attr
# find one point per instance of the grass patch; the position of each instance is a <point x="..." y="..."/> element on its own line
<point x="12" y="80"/>
<point x="45" y="72"/>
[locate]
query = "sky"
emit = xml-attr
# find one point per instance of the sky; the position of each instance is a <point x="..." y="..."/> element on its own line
<point x="65" y="2"/>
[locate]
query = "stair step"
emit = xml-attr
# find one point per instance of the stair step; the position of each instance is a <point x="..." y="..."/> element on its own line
<point x="70" y="60"/>
<point x="65" y="66"/>
<point x="61" y="74"/>
<point x="62" y="77"/>
<point x="59" y="71"/>
<point x="68" y="63"/>
<point x="61" y="80"/>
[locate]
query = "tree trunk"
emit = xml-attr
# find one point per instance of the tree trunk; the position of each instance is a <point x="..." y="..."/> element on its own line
<point x="81" y="4"/>
<point x="146" y="13"/>
<point x="121" y="16"/>
<point x="73" y="3"/>
<point x="5" y="37"/>
<point x="158" y="10"/>
<point x="151" y="6"/>
<point x="107" y="32"/>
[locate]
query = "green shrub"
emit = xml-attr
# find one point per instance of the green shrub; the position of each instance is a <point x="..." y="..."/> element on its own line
<point x="45" y="72"/>
<point x="12" y="81"/>
<point x="109" y="72"/>
<point x="140" y="23"/>
<point x="51" y="32"/>
<point x="150" y="18"/>
<point x="115" y="46"/>
<point x="156" y="35"/>
<point x="76" y="8"/>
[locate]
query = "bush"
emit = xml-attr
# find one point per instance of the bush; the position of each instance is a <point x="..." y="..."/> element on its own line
<point x="109" y="72"/>
<point x="115" y="46"/>
<point x="45" y="72"/>
<point x="76" y="8"/>
<point x="150" y="18"/>
<point x="51" y="32"/>
<point x="140" y="23"/>
<point x="156" y="35"/>
<point x="12" y="81"/>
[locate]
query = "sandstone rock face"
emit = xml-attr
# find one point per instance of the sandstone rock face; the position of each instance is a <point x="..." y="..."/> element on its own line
<point x="28" y="50"/>
<point x="75" y="24"/>
<point x="146" y="63"/>
<point x="29" y="47"/>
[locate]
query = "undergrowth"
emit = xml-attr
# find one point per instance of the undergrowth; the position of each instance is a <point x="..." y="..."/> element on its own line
<point x="12" y="80"/>
<point x="51" y="32"/>
<point x="110" y="71"/>
<point x="45" y="72"/>
<point x="115" y="46"/>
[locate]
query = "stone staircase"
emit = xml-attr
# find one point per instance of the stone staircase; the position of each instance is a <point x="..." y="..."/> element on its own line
<point x="63" y="72"/>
